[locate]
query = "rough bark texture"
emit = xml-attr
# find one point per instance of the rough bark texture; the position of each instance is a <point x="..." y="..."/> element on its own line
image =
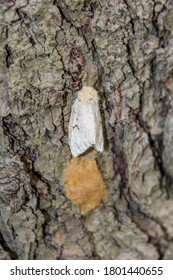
<point x="48" y="49"/>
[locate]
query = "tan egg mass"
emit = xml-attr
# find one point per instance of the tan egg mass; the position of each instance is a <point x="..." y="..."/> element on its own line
<point x="83" y="183"/>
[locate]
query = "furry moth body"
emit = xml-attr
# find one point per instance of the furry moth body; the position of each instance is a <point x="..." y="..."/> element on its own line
<point x="85" y="126"/>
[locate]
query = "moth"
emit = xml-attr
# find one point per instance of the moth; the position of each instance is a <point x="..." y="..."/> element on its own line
<point x="85" y="126"/>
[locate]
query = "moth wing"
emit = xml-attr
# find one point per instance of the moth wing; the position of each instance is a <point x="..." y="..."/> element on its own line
<point x="99" y="145"/>
<point x="82" y="126"/>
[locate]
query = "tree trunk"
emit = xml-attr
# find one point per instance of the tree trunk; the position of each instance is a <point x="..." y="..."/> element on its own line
<point x="50" y="49"/>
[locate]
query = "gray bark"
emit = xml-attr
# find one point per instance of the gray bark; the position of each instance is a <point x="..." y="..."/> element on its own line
<point x="48" y="50"/>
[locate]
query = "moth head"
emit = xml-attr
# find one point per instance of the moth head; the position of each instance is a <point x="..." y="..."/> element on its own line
<point x="87" y="93"/>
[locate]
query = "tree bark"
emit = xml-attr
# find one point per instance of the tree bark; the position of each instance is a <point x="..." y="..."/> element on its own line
<point x="48" y="50"/>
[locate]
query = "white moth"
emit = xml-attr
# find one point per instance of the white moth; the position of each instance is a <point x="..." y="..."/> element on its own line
<point x="85" y="127"/>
